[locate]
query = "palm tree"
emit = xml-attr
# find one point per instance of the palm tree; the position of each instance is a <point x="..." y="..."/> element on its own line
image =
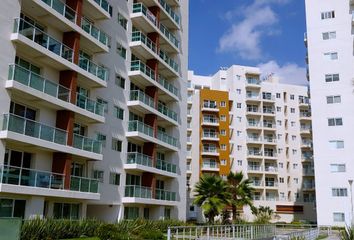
<point x="240" y="190"/>
<point x="211" y="195"/>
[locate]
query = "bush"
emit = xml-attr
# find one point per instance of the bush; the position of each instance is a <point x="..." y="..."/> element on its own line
<point x="152" y="235"/>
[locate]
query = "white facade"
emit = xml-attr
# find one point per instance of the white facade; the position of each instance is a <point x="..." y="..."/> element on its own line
<point x="270" y="140"/>
<point x="46" y="174"/>
<point x="330" y="55"/>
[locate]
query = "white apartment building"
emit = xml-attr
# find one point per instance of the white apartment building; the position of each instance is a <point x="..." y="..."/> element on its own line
<point x="270" y="139"/>
<point x="91" y="108"/>
<point x="329" y="41"/>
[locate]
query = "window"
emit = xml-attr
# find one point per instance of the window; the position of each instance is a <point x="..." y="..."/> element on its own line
<point x="339" y="192"/>
<point x="335" y="122"/>
<point x="238" y="91"/>
<point x="223" y="132"/>
<point x="278" y="109"/>
<point x="293" y="137"/>
<point x="116" y="145"/>
<point x="222" y="104"/>
<point x="131" y="212"/>
<point x="12" y="208"/>
<point x="332" y="77"/>
<point x="121" y="51"/>
<point x="296" y="180"/>
<point x="146" y="213"/>
<point x="122" y="21"/>
<point x="238" y="133"/>
<point x="337" y="168"/>
<point x="223" y="118"/>
<point x="104" y="103"/>
<point x="114" y="178"/>
<point x="120" y="81"/>
<point x="239" y="147"/>
<point x="294" y="151"/>
<point x="328" y="35"/>
<point x="238" y="105"/>
<point x="281" y="180"/>
<point x="239" y="119"/>
<point x="22" y="111"/>
<point x="277" y="95"/>
<point x="327" y="15"/>
<point x="292" y="96"/>
<point x="295" y="165"/>
<point x="119" y="112"/>
<point x="292" y="110"/>
<point x="223" y="147"/>
<point x="102" y="138"/>
<point x="281" y="165"/>
<point x="279" y="136"/>
<point x="223" y="162"/>
<point x="338" y="217"/>
<point x="279" y="122"/>
<point x="239" y="162"/>
<point x="132" y="180"/>
<point x="331" y="55"/>
<point x="333" y="99"/>
<point x="167" y="213"/>
<point x="336" y="144"/>
<point x="293" y="124"/>
<point x="66" y="211"/>
<point x="99" y="175"/>
<point x="280" y="150"/>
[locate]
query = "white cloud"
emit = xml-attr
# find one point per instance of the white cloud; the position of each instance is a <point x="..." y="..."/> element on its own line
<point x="288" y="73"/>
<point x="244" y="37"/>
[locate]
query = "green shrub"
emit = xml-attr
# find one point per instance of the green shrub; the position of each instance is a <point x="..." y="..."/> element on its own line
<point x="154" y="234"/>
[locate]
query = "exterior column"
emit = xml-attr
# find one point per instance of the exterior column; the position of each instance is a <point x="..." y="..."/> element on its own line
<point x="62" y="164"/>
<point x="152" y="92"/>
<point x="156" y="11"/>
<point x="65" y="120"/>
<point x="34" y="207"/>
<point x="151" y="120"/>
<point x="149" y="180"/>
<point x="155" y="37"/>
<point x="76" y="5"/>
<point x="68" y="79"/>
<point x="149" y="149"/>
<point x="72" y="40"/>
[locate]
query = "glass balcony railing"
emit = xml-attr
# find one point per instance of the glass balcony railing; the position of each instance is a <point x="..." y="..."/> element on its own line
<point x="105" y="6"/>
<point x="210" y="150"/>
<point x="255" y="153"/>
<point x="253" y="124"/>
<point x="20" y="125"/>
<point x="271" y="183"/>
<point x="167" y="112"/>
<point x="62" y="9"/>
<point x="87" y="144"/>
<point x="95" y="32"/>
<point x="37" y="82"/>
<point x="43" y="39"/>
<point x="141" y="8"/>
<point x="210" y="135"/>
<point x="139" y="158"/>
<point x="89" y="104"/>
<point x="169" y="10"/>
<point x="256" y="183"/>
<point x="165" y="195"/>
<point x="137" y="126"/>
<point x="137" y="95"/>
<point x="31" y="177"/>
<point x="254" y="168"/>
<point x="167" y="139"/>
<point x="254" y="81"/>
<point x="82" y="184"/>
<point x="165" y="166"/>
<point x="210" y="165"/>
<point x="211" y="120"/>
<point x="138" y="191"/>
<point x="91" y="67"/>
<point x="138" y="36"/>
<point x="168" y="86"/>
<point x="270" y="168"/>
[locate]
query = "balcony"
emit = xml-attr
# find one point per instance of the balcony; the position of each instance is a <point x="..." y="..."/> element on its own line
<point x="142" y="15"/>
<point x="253" y="82"/>
<point x="253" y="97"/>
<point x="146" y="133"/>
<point x="268" y="111"/>
<point x="255" y="153"/>
<point x="256" y="183"/>
<point x="269" y="125"/>
<point x="308" y="171"/>
<point x="210" y="136"/>
<point x="141" y="194"/>
<point x="189" y="154"/>
<point x="170" y="13"/>
<point x="269" y="140"/>
<point x="33" y="87"/>
<point x="210" y="121"/>
<point x="269" y="154"/>
<point x="210" y="107"/>
<point x="97" y="9"/>
<point x="251" y="110"/>
<point x="254" y="168"/>
<point x="306" y="144"/>
<point x="146" y="104"/>
<point x="210" y="167"/>
<point x="252" y="125"/>
<point x="304" y="102"/>
<point x="271" y="184"/>
<point x="307" y="157"/>
<point x="144" y="76"/>
<point x="268" y="98"/>
<point x="146" y="47"/>
<point x="308" y="186"/>
<point x="144" y="163"/>
<point x="39" y="44"/>
<point x="254" y="140"/>
<point x="305" y="115"/>
<point x="271" y="169"/>
<point x="66" y="19"/>
<point x="211" y="151"/>
<point x="43" y="183"/>
<point x="34" y="133"/>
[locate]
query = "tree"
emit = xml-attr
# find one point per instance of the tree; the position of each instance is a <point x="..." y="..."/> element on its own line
<point x="211" y="195"/>
<point x="263" y="214"/>
<point x="240" y="190"/>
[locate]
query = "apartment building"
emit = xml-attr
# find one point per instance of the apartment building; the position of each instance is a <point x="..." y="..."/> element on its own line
<point x="91" y="101"/>
<point x="258" y="126"/>
<point x="329" y="42"/>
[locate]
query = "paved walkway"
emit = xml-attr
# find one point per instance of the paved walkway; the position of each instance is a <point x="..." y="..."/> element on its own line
<point x="333" y="236"/>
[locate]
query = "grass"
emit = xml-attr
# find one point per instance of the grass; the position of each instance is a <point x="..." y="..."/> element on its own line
<point x="84" y="238"/>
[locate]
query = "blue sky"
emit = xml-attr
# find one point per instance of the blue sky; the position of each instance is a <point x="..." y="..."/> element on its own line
<point x="264" y="33"/>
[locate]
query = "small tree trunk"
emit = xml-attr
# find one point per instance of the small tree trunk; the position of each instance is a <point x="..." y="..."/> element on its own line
<point x="234" y="213"/>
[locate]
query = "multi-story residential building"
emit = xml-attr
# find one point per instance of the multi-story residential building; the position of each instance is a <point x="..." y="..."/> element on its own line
<point x="329" y="40"/>
<point x="91" y="101"/>
<point x="238" y="122"/>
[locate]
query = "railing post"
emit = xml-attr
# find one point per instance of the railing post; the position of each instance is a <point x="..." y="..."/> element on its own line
<point x="169" y="233"/>
<point x="50" y="181"/>
<point x="208" y="233"/>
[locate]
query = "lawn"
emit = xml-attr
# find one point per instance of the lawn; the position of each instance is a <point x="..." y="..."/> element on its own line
<point x="90" y="238"/>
